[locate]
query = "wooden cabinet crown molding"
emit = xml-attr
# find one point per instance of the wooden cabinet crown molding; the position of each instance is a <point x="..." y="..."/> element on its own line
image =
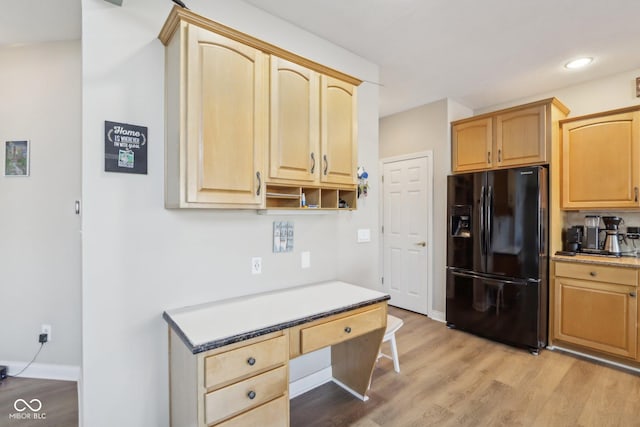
<point x="601" y="114"/>
<point x="179" y="14"/>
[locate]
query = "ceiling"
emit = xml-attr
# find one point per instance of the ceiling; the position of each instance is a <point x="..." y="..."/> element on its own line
<point x="35" y="21"/>
<point x="480" y="53"/>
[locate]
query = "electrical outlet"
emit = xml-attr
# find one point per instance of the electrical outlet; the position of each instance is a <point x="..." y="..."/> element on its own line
<point x="256" y="265"/>
<point x="46" y="329"/>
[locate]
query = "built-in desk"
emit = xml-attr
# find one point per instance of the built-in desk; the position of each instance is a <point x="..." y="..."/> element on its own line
<point x="229" y="360"/>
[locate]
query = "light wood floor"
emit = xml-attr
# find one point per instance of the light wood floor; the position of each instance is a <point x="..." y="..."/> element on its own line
<point x="448" y="378"/>
<point x="59" y="401"/>
<point x="451" y="378"/>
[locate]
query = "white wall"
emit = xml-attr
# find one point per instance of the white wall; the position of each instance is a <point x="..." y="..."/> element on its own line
<point x="40" y="233"/>
<point x="359" y="261"/>
<point x="139" y="258"/>
<point x="420" y="129"/>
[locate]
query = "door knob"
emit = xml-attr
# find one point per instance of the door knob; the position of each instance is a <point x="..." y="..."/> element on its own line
<point x="423" y="244"/>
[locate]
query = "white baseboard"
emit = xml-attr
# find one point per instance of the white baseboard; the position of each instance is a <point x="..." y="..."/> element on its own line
<point x="438" y="315"/>
<point x="304" y="384"/>
<point x="43" y="371"/>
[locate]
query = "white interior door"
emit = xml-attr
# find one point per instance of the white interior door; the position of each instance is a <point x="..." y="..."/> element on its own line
<point x="407" y="243"/>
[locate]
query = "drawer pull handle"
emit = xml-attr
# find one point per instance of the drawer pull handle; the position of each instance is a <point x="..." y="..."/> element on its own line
<point x="632" y="294"/>
<point x="251" y="395"/>
<point x="593" y="273"/>
<point x="347" y="330"/>
<point x="251" y="361"/>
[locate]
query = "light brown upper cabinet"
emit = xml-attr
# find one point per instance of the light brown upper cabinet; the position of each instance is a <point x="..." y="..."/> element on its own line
<point x="339" y="145"/>
<point x="472" y="144"/>
<point x="313" y="127"/>
<point x="294" y="151"/>
<point x="521" y="137"/>
<point x="217" y="113"/>
<point x="241" y="113"/>
<point x="601" y="160"/>
<point x="515" y="136"/>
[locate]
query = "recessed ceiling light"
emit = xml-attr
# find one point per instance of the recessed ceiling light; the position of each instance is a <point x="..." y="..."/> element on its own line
<point x="578" y="63"/>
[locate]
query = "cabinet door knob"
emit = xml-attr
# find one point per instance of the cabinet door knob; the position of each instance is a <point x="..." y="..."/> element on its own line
<point x="635" y="191"/>
<point x="313" y="165"/>
<point x="326" y="163"/>
<point x="347" y="330"/>
<point x="499" y="156"/>
<point x="259" y="183"/>
<point x="632" y="294"/>
<point x="593" y="273"/>
<point x="251" y="395"/>
<point x="489" y="157"/>
<point x="251" y="361"/>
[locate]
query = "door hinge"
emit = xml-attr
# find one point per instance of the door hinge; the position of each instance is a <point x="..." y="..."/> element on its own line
<point x="382" y="176"/>
<point x="383" y="229"/>
<point x="382" y="280"/>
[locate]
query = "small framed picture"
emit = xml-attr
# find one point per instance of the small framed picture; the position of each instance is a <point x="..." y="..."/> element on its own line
<point x="16" y="158"/>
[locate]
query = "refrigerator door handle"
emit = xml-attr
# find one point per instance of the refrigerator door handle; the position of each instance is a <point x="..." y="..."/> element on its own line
<point x="483" y="249"/>
<point x="489" y="215"/>
<point x="488" y="279"/>
<point x="541" y="233"/>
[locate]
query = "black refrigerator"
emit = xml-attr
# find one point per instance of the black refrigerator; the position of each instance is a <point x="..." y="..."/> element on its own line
<point x="497" y="262"/>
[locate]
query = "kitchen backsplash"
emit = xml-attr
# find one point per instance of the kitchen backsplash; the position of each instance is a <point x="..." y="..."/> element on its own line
<point x="627" y="246"/>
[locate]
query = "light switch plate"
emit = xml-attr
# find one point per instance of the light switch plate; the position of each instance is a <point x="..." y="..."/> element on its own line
<point x="305" y="259"/>
<point x="364" y="235"/>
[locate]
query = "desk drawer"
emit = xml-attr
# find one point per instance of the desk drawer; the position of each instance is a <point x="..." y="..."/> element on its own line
<point x="272" y="414"/>
<point x="339" y="330"/>
<point x="598" y="273"/>
<point x="244" y="361"/>
<point x="236" y="398"/>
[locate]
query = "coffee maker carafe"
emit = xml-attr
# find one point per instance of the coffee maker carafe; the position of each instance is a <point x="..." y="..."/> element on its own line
<point x="612" y="235"/>
<point x="592" y="233"/>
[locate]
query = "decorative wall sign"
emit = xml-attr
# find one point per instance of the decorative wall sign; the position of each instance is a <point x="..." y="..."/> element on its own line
<point x="125" y="148"/>
<point x="363" y="183"/>
<point x="16" y="158"/>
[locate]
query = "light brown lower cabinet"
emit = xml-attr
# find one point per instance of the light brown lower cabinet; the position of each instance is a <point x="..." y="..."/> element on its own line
<point x="232" y="385"/>
<point x="596" y="307"/>
<point x="247" y="383"/>
<point x="268" y="415"/>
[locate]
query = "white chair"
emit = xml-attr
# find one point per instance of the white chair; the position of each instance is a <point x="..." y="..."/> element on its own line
<point x="393" y="324"/>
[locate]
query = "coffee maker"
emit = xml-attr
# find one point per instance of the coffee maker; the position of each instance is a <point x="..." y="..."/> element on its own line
<point x="612" y="234"/>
